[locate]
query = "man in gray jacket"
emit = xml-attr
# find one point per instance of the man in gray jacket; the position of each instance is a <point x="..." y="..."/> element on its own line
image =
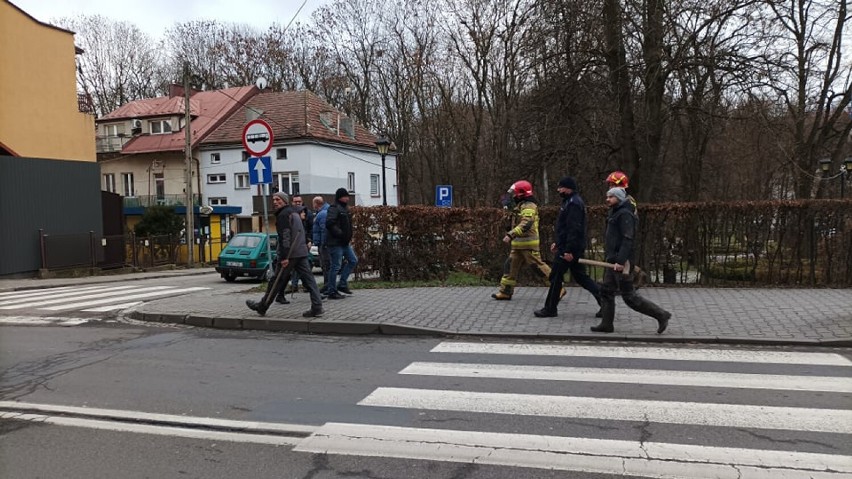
<point x="293" y="257"/>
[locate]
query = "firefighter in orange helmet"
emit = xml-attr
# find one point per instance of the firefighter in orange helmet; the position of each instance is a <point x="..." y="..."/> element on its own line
<point x="619" y="179"/>
<point x="524" y="241"/>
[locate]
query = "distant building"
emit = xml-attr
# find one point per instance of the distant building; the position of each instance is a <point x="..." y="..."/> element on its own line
<point x="317" y="149"/>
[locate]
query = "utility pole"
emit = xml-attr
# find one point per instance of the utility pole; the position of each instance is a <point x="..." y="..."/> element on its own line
<point x="190" y="205"/>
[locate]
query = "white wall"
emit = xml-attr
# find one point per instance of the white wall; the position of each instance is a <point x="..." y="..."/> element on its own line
<point x="322" y="169"/>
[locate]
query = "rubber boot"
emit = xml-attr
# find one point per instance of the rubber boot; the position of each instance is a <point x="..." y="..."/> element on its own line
<point x="607" y="317"/>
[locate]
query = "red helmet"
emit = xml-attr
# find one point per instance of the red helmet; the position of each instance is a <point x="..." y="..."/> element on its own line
<point x="618" y="178"/>
<point x="521" y="189"/>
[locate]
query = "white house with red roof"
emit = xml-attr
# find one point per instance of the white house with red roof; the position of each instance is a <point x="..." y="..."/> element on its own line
<point x="316" y="150"/>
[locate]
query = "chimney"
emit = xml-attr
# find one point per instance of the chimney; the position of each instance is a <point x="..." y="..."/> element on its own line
<point x="175" y="90"/>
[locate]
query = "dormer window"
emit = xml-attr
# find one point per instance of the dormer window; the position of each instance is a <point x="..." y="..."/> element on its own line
<point x="160" y="127"/>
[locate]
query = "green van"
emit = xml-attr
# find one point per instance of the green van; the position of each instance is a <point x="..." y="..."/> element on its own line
<point x="245" y="255"/>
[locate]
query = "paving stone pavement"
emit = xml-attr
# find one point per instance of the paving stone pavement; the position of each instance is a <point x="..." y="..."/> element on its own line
<point x="776" y="316"/>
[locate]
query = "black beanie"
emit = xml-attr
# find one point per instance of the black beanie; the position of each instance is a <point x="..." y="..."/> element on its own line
<point x="568" y="182"/>
<point x="340" y="193"/>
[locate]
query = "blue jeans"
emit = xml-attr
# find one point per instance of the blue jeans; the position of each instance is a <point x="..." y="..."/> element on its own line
<point x="338" y="254"/>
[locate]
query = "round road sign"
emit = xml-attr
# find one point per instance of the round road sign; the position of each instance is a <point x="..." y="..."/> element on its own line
<point x="257" y="137"/>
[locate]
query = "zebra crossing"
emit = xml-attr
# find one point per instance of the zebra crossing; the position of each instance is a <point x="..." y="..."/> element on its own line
<point x="736" y="411"/>
<point x="87" y="299"/>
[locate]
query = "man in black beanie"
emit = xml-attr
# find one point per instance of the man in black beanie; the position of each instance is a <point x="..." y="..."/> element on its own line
<point x="568" y="247"/>
<point x="338" y="225"/>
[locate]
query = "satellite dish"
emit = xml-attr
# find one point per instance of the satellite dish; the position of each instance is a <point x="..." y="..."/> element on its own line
<point x="261" y="83"/>
<point x="205" y="210"/>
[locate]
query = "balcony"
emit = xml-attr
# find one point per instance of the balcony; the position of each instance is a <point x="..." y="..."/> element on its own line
<point x="85" y="103"/>
<point x="111" y="144"/>
<point x="164" y="200"/>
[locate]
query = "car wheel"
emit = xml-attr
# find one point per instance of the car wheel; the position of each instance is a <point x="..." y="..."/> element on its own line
<point x="230" y="277"/>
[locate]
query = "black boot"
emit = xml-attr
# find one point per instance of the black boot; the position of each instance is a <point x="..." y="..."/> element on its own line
<point x="607" y="317"/>
<point x="256" y="306"/>
<point x="313" y="312"/>
<point x="663" y="323"/>
<point x="282" y="299"/>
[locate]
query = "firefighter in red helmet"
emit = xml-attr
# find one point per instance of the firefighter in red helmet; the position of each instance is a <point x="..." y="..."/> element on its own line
<point x="524" y="241"/>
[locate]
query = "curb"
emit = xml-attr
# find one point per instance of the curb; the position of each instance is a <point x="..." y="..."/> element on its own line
<point x="357" y="328"/>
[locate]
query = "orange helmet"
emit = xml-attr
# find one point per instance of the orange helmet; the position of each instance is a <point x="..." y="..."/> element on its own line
<point x="618" y="178"/>
<point x="521" y="189"/>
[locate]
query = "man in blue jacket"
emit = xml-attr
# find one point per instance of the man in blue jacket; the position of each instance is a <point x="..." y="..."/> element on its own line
<point x="319" y="236"/>
<point x="568" y="247"/>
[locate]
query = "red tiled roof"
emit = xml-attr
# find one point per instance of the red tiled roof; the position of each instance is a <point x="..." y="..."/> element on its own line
<point x="293" y="115"/>
<point x="208" y="109"/>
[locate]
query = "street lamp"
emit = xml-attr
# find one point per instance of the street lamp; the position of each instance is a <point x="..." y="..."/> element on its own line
<point x="382" y="144"/>
<point x="825" y="165"/>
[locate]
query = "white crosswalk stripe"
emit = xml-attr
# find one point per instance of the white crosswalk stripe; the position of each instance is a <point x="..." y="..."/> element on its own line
<point x="767" y="412"/>
<point x="90" y="299"/>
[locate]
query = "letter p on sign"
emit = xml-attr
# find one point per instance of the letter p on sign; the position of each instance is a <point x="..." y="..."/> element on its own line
<point x="444" y="196"/>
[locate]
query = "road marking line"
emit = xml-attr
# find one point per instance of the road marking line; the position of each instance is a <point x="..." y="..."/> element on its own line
<point x="628" y="458"/>
<point x="124" y="298"/>
<point x="124" y="290"/>
<point x="61" y="294"/>
<point x="39" y="321"/>
<point x="112" y="307"/>
<point x="23" y="292"/>
<point x="156" y="430"/>
<point x="669" y="354"/>
<point x="633" y="376"/>
<point x="669" y="412"/>
<point x="171" y="419"/>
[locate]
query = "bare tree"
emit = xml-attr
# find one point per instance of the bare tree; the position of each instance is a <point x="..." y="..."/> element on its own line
<point x="120" y="62"/>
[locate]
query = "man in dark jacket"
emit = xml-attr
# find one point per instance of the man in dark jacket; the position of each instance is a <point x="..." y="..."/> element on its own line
<point x="338" y="226"/>
<point x="618" y="248"/>
<point x="293" y="257"/>
<point x="569" y="247"/>
<point x="319" y="235"/>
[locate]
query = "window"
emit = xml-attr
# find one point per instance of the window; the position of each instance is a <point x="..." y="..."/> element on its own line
<point x="215" y="158"/>
<point x="115" y="129"/>
<point x="241" y="181"/>
<point x="160" y="127"/>
<point x="351" y="182"/>
<point x="245" y="156"/>
<point x="160" y="187"/>
<point x="281" y="153"/>
<point x="286" y="182"/>
<point x="218" y="201"/>
<point x="217" y="178"/>
<point x="109" y="182"/>
<point x="127" y="183"/>
<point x="374" y="185"/>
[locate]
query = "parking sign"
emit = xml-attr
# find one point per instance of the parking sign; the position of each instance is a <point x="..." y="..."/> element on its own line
<point x="444" y="196"/>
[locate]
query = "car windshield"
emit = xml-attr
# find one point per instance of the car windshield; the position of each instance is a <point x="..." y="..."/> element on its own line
<point x="244" y="241"/>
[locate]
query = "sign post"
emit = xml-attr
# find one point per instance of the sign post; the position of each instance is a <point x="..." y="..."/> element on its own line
<point x="444" y="196"/>
<point x="257" y="140"/>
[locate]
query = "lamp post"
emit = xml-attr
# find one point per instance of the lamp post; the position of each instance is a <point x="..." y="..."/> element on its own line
<point x="825" y="166"/>
<point x="382" y="144"/>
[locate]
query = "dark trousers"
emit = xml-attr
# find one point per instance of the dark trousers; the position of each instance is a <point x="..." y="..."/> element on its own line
<point x="578" y="272"/>
<point x="615" y="281"/>
<point x="325" y="263"/>
<point x="299" y="267"/>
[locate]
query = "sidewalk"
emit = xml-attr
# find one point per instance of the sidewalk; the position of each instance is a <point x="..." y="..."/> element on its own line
<point x="700" y="315"/>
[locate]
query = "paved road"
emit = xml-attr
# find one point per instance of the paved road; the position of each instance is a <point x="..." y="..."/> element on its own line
<point x="309" y="407"/>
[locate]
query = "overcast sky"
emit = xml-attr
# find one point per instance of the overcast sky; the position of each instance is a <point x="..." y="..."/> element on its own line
<point x="155" y="16"/>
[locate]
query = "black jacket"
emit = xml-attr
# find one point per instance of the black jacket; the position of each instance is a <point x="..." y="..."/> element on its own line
<point x="571" y="227"/>
<point x="620" y="233"/>
<point x="338" y="224"/>
<point x="288" y="224"/>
